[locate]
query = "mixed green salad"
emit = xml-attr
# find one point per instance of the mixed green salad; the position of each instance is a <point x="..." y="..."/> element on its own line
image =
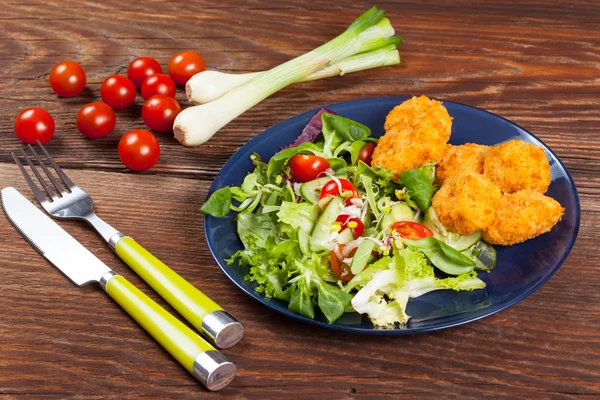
<point x="326" y="232"/>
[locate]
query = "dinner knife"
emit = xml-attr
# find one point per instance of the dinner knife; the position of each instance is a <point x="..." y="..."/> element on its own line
<point x="200" y="358"/>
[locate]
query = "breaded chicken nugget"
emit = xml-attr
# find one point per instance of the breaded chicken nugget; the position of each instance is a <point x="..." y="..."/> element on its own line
<point x="521" y="216"/>
<point x="403" y="149"/>
<point x="416" y="133"/>
<point x="420" y="111"/>
<point x="461" y="159"/>
<point x="516" y="165"/>
<point x="467" y="203"/>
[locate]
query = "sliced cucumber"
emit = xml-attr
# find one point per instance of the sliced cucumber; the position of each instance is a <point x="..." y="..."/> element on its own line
<point x="362" y="255"/>
<point x="398" y="212"/>
<point x="431" y="221"/>
<point x="311" y="190"/>
<point x="344" y="237"/>
<point x="483" y="254"/>
<point x="303" y="240"/>
<point x="319" y="239"/>
<point x="462" y="242"/>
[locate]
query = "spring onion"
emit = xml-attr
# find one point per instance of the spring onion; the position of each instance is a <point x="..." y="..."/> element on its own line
<point x="195" y="125"/>
<point x="377" y="49"/>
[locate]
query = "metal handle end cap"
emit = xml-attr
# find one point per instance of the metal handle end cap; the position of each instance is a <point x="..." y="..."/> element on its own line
<point x="224" y="330"/>
<point x="213" y="370"/>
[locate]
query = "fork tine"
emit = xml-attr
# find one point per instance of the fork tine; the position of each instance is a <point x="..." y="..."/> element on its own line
<point x="58" y="169"/>
<point x="38" y="194"/>
<point x="50" y="176"/>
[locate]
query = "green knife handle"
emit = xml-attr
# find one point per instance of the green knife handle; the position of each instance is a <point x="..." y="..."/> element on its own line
<point x="191" y="303"/>
<point x="187" y="347"/>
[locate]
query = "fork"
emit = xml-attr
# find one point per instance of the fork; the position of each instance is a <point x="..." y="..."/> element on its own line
<point x="203" y="313"/>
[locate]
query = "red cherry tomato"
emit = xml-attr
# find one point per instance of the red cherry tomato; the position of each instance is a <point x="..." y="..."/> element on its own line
<point x="118" y="92"/>
<point x="141" y="68"/>
<point x="139" y="150"/>
<point x="412" y="230"/>
<point x="158" y="84"/>
<point x="306" y="167"/>
<point x="184" y="65"/>
<point x="33" y="124"/>
<point x="331" y="188"/>
<point x="366" y="154"/>
<point x="341" y="270"/>
<point x="159" y="113"/>
<point x="353" y="223"/>
<point x="67" y="79"/>
<point x="96" y="120"/>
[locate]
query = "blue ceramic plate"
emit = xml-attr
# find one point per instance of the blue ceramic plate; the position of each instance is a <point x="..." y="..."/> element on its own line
<point x="520" y="269"/>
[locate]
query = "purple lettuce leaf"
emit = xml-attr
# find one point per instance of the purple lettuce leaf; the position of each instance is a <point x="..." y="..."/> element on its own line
<point x="310" y="131"/>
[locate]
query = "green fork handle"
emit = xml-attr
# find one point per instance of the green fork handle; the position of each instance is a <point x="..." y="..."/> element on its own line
<point x="203" y="313"/>
<point x="195" y="354"/>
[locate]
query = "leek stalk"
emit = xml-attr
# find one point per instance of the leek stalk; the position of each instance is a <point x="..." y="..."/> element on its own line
<point x="195" y="125"/>
<point x="207" y="86"/>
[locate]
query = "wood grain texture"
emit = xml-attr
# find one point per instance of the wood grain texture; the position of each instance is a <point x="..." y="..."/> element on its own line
<point x="536" y="63"/>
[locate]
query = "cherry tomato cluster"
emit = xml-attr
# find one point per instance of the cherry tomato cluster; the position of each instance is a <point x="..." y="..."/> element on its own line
<point x="138" y="149"/>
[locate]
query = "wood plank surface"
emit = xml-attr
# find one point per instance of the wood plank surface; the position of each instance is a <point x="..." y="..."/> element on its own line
<point x="536" y="63"/>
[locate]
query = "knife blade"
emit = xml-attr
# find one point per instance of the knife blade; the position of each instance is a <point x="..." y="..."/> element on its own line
<point x="50" y="240"/>
<point x="63" y="251"/>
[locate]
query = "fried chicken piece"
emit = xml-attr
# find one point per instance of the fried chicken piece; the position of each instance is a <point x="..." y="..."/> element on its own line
<point x="416" y="133"/>
<point x="467" y="203"/>
<point x="420" y="111"/>
<point x="468" y="157"/>
<point x="402" y="149"/>
<point x="521" y="216"/>
<point x="516" y="165"/>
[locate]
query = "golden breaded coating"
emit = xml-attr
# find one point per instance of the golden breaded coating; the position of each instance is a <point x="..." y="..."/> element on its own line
<point x="516" y="165"/>
<point x="416" y="133"/>
<point x="420" y="111"/>
<point x="521" y="216"/>
<point x="457" y="160"/>
<point x="467" y="203"/>
<point x="400" y="150"/>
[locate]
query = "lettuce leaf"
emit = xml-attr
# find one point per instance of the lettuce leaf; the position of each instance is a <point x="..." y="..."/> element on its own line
<point x="298" y="215"/>
<point x="337" y="129"/>
<point x="311" y="130"/>
<point x="419" y="183"/>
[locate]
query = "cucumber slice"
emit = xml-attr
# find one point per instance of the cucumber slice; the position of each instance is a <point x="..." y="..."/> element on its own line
<point x="303" y="239"/>
<point x="344" y="237"/>
<point x="398" y="212"/>
<point x="319" y="239"/>
<point x="462" y="242"/>
<point x="483" y="254"/>
<point x="431" y="221"/>
<point x="311" y="190"/>
<point x="362" y="255"/>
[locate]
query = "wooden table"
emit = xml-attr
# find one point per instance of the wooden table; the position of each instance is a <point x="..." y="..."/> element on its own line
<point x="536" y="63"/>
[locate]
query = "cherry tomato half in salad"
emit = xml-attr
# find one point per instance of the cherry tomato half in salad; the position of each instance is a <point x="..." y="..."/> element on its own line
<point x="184" y="65"/>
<point x="366" y="154"/>
<point x="96" y="120"/>
<point x="331" y="188"/>
<point x="67" y="79"/>
<point x="353" y="223"/>
<point x="118" y="92"/>
<point x="139" y="150"/>
<point x="306" y="167"/>
<point x="158" y="84"/>
<point x="412" y="230"/>
<point x="141" y="68"/>
<point x="33" y="124"/>
<point x="341" y="270"/>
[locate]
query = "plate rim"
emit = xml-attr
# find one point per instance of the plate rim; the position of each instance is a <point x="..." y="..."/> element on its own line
<point x="396" y="331"/>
